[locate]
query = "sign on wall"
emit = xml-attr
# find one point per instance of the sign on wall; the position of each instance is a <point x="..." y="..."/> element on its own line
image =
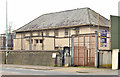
<point x="103" y="38"/>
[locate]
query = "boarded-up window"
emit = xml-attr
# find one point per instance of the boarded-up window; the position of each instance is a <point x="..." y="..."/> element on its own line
<point x="56" y="32"/>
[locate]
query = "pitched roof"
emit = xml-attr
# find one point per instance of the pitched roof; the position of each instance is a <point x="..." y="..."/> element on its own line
<point x="81" y="16"/>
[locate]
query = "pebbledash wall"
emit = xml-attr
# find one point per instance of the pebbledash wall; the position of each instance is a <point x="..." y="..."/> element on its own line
<point x="43" y="58"/>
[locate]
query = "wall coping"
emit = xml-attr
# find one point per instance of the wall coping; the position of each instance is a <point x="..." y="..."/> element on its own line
<point x="30" y="50"/>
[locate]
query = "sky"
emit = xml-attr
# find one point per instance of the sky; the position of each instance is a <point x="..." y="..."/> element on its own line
<point x="21" y="12"/>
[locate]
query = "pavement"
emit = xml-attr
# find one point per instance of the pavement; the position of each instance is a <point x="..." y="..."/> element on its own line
<point x="81" y="70"/>
<point x="30" y="67"/>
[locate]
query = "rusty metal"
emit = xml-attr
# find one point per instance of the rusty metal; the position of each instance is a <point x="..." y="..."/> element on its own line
<point x="84" y="50"/>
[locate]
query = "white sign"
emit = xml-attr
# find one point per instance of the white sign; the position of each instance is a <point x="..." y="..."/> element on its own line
<point x="54" y="55"/>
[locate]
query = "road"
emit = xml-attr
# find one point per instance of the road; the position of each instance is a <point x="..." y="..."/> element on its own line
<point x="23" y="71"/>
<point x="47" y="70"/>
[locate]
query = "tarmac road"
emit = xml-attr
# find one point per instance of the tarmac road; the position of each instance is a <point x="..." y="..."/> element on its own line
<point x="8" y="69"/>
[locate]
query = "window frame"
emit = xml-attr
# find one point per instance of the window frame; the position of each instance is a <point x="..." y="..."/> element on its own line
<point x="66" y="32"/>
<point x="47" y="33"/>
<point x="77" y="30"/>
<point x="41" y="40"/>
<point x="56" y="32"/>
<point x="36" y="41"/>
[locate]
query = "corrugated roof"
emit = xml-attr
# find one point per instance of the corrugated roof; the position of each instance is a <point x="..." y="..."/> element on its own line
<point x="81" y="16"/>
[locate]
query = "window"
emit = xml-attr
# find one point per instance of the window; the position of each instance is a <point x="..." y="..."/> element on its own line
<point x="36" y="41"/>
<point x="47" y="33"/>
<point x="41" y="33"/>
<point x="56" y="32"/>
<point x="31" y="33"/>
<point x="41" y="41"/>
<point x="66" y="31"/>
<point x="77" y="31"/>
<point x="23" y="34"/>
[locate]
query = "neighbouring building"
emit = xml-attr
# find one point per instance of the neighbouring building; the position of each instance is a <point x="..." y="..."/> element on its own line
<point x="11" y="36"/>
<point x="54" y="30"/>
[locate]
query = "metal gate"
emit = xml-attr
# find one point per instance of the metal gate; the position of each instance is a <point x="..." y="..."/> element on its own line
<point x="84" y="50"/>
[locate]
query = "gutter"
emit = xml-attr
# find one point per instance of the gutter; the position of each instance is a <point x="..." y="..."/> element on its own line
<point x="17" y="31"/>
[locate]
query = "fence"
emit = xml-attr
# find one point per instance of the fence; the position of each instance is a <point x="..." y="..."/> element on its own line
<point x="84" y="50"/>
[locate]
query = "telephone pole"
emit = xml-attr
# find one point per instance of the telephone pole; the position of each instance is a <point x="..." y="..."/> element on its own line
<point x="6" y="31"/>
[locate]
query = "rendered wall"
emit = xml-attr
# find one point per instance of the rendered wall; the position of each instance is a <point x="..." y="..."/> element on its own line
<point x="49" y="42"/>
<point x="93" y="29"/>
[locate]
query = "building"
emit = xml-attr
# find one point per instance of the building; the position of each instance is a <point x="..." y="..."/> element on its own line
<point x="11" y="36"/>
<point x="54" y="30"/>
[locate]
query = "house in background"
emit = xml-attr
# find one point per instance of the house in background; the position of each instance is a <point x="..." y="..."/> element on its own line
<point x="54" y="30"/>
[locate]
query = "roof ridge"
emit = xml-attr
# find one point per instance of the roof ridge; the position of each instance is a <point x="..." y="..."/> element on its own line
<point x="66" y="10"/>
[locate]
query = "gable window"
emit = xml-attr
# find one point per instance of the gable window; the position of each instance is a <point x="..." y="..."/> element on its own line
<point x="47" y="33"/>
<point x="56" y="32"/>
<point x="66" y="32"/>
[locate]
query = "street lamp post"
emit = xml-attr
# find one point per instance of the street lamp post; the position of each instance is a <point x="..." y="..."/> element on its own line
<point x="6" y="31"/>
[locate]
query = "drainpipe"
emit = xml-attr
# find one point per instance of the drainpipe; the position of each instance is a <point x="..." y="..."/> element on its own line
<point x="1" y="42"/>
<point x="96" y="48"/>
<point x="84" y="51"/>
<point x="72" y="63"/>
<point x="54" y="42"/>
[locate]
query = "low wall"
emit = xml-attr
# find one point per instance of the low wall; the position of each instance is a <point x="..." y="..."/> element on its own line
<point x="43" y="58"/>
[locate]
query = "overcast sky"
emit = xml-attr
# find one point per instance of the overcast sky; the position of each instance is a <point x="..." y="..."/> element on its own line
<point x="21" y="12"/>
